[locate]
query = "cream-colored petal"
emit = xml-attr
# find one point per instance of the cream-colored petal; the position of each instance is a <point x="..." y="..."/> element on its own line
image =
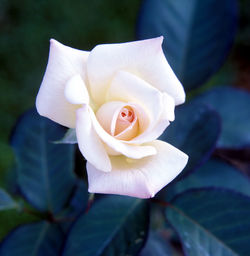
<point x="132" y="151"/>
<point x="169" y="107"/>
<point x="162" y="123"/>
<point x="155" y="132"/>
<point x="107" y="115"/>
<point x="64" y="62"/>
<point x="89" y="143"/>
<point x="130" y="132"/>
<point x="130" y="88"/>
<point x="143" y="58"/>
<point x="76" y="91"/>
<point x="141" y="178"/>
<point x="159" y="106"/>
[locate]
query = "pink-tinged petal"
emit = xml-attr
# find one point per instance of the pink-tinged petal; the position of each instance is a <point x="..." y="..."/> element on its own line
<point x="152" y="134"/>
<point x="64" y="62"/>
<point x="76" y="91"/>
<point x="143" y="58"/>
<point x="107" y="115"/>
<point x="89" y="143"/>
<point x="118" y="146"/>
<point x="127" y="87"/>
<point x="155" y="132"/>
<point x="159" y="106"/>
<point x="141" y="178"/>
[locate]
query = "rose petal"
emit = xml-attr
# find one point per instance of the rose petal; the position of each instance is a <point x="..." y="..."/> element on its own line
<point x="169" y="107"/>
<point x="130" y="132"/>
<point x="75" y="91"/>
<point x="130" y="88"/>
<point x="143" y="58"/>
<point x="132" y="151"/>
<point x="160" y="106"/>
<point x="64" y="62"/>
<point x="154" y="132"/>
<point x="89" y="143"/>
<point x="107" y="115"/>
<point x="139" y="178"/>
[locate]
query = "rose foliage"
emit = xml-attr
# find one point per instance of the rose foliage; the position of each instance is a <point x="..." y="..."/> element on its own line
<point x="113" y="121"/>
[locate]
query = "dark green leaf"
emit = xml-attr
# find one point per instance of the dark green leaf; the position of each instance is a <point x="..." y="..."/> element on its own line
<point x="233" y="105"/>
<point x="80" y="198"/>
<point x="115" y="225"/>
<point x="198" y="34"/>
<point x="10" y="219"/>
<point x="212" y="222"/>
<point x="195" y="131"/>
<point x="6" y="202"/>
<point x="78" y="204"/>
<point x="45" y="170"/>
<point x="68" y="138"/>
<point x="156" y="246"/>
<point x="214" y="173"/>
<point x="36" y="239"/>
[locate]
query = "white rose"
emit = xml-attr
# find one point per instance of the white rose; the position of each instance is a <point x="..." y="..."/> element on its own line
<point x="119" y="98"/>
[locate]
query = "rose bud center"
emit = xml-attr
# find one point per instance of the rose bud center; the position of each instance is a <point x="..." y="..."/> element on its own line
<point x="119" y="120"/>
<point x="124" y="120"/>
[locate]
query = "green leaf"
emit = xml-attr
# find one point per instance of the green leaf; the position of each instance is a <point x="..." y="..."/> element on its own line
<point x="195" y="131"/>
<point x="44" y="169"/>
<point x="198" y="34"/>
<point x="214" y="173"/>
<point x="68" y="138"/>
<point x="11" y="218"/>
<point x="115" y="225"/>
<point x="6" y="202"/>
<point x="211" y="222"/>
<point x="36" y="239"/>
<point x="233" y="105"/>
<point x="156" y="246"/>
<point x="77" y="205"/>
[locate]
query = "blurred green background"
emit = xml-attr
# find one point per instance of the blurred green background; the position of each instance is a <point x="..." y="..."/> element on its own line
<point x="26" y="27"/>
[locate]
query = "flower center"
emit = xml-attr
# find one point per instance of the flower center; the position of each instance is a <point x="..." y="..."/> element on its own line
<point x="119" y="120"/>
<point x="124" y="119"/>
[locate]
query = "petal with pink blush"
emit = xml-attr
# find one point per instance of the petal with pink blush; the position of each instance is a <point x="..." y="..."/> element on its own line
<point x="127" y="124"/>
<point x="130" y="88"/>
<point x="89" y="143"/>
<point x="143" y="58"/>
<point x="141" y="178"/>
<point x="132" y="151"/>
<point x="64" y="62"/>
<point x="107" y="115"/>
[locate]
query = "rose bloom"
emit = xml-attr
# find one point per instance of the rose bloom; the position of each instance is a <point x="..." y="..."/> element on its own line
<point x="119" y="98"/>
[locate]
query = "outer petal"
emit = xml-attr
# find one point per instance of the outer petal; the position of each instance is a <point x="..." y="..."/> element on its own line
<point x="64" y="62"/>
<point x="143" y="58"/>
<point x="75" y="91"/>
<point x="89" y="143"/>
<point x="131" y="151"/>
<point x="139" y="178"/>
<point x="169" y="107"/>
